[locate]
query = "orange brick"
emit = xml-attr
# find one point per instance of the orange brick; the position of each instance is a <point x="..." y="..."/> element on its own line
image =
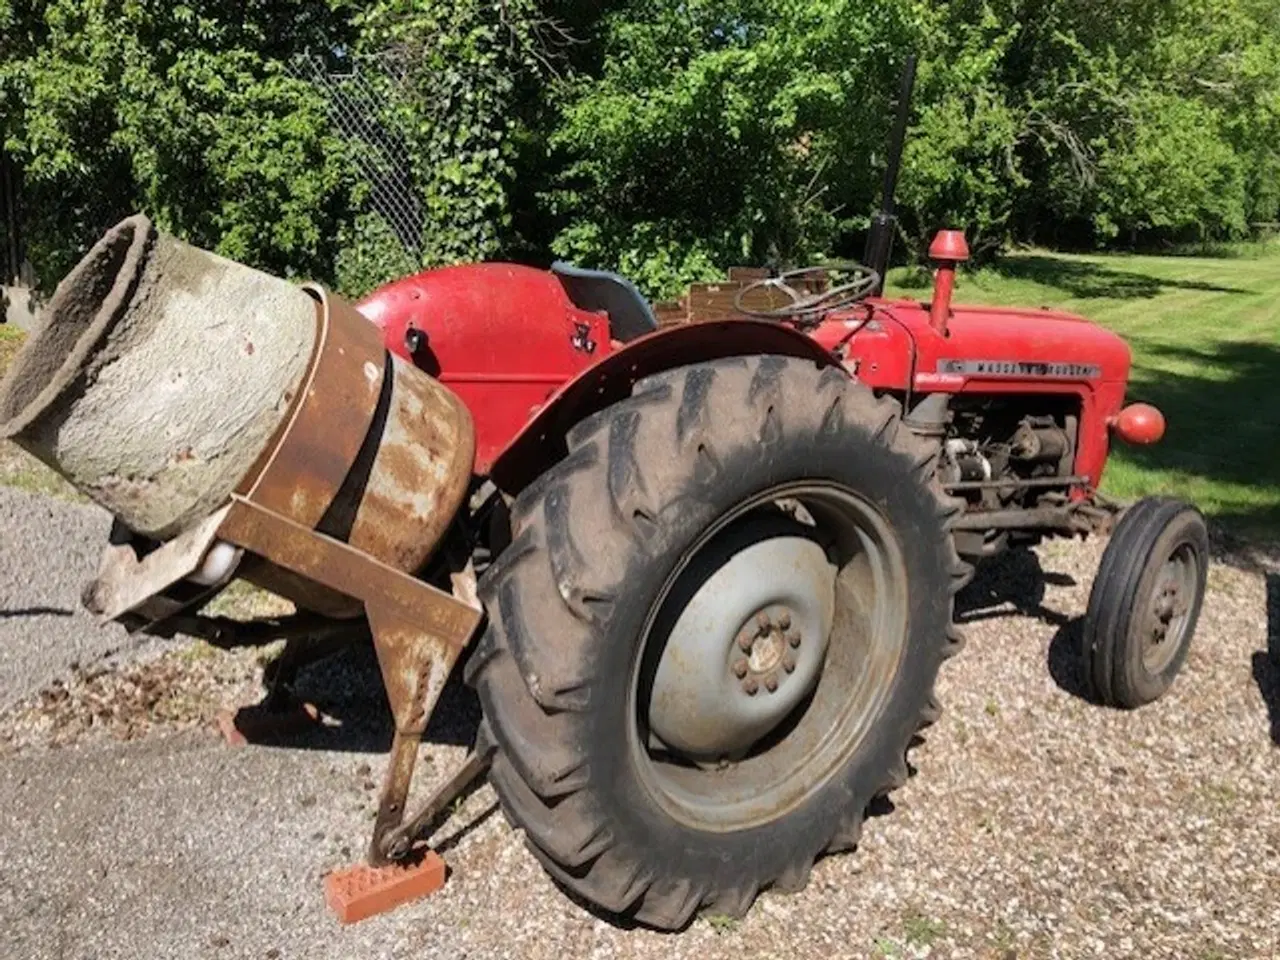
<point x="360" y="892"/>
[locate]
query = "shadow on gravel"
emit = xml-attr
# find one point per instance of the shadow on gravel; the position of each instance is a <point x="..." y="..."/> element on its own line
<point x="1013" y="585"/>
<point x="36" y="612"/>
<point x="347" y="688"/>
<point x="1010" y="585"/>
<point x="1266" y="664"/>
<point x="1266" y="674"/>
<point x="1065" y="662"/>
<point x="451" y="840"/>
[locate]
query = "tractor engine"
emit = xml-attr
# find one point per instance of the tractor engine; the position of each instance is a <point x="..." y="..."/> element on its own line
<point x="1010" y="452"/>
<point x="997" y="455"/>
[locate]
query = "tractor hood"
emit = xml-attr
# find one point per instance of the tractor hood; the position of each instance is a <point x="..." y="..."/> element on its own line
<point x="1017" y="343"/>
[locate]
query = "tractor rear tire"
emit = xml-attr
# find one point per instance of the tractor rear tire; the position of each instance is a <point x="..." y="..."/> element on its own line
<point x="1145" y="602"/>
<point x="606" y="537"/>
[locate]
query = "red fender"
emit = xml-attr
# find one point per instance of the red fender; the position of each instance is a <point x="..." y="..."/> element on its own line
<point x="541" y="443"/>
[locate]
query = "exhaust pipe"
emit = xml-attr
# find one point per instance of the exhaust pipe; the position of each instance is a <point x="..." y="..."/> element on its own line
<point x="883" y="225"/>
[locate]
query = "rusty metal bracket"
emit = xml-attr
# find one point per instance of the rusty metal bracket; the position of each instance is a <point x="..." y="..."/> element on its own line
<point x="394" y="839"/>
<point x="418" y="634"/>
<point x="129" y="584"/>
<point x="415" y="665"/>
<point x="346" y="570"/>
<point x="397" y="843"/>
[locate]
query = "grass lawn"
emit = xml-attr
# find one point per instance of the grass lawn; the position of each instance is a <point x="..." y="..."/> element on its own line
<point x="1205" y="335"/>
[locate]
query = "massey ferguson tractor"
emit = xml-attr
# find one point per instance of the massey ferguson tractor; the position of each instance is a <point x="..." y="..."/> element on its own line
<point x="701" y="575"/>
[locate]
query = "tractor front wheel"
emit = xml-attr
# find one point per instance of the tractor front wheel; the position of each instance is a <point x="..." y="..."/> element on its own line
<point x="1145" y="602"/>
<point x="715" y="634"/>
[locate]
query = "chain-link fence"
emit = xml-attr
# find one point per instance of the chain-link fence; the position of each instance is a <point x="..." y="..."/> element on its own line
<point x="364" y="94"/>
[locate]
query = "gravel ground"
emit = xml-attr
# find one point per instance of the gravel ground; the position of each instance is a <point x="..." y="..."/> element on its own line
<point x="1039" y="825"/>
<point x="48" y="549"/>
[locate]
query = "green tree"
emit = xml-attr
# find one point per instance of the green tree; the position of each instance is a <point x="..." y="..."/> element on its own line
<point x="668" y="141"/>
<point x="701" y="134"/>
<point x="186" y="112"/>
<point x="714" y="133"/>
<point x="1146" y="118"/>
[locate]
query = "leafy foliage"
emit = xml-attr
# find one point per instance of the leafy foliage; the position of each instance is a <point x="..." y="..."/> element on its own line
<point x="1136" y="110"/>
<point x="465" y="61"/>
<point x="719" y="132"/>
<point x="668" y="141"/>
<point x="370" y="254"/>
<point x="116" y="105"/>
<point x="722" y="132"/>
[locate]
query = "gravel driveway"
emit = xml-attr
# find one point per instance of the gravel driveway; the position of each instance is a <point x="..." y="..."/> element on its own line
<point x="48" y="549"/>
<point x="1039" y="826"/>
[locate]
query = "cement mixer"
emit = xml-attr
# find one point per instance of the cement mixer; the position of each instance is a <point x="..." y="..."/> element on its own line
<point x="701" y="574"/>
<point x="239" y="426"/>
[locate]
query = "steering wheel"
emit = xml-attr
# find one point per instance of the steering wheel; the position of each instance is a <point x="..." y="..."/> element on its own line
<point x="804" y="306"/>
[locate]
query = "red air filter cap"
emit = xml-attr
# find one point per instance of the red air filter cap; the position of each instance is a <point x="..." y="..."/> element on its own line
<point x="949" y="245"/>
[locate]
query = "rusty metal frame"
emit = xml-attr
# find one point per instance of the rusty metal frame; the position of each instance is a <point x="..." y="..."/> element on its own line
<point x="397" y="843"/>
<point x="131" y="585"/>
<point x="418" y="632"/>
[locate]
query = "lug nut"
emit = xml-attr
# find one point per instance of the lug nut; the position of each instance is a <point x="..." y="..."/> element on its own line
<point x="744" y="642"/>
<point x="740" y="669"/>
<point x="751" y="687"/>
<point x="771" y="682"/>
<point x="763" y="623"/>
<point x="784" y="622"/>
<point x="789" y="663"/>
<point x="793" y="638"/>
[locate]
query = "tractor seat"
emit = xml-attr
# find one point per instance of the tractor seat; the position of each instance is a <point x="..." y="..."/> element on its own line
<point x="630" y="315"/>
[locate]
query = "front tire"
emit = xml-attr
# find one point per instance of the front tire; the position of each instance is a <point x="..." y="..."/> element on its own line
<point x="583" y="671"/>
<point x="1145" y="602"/>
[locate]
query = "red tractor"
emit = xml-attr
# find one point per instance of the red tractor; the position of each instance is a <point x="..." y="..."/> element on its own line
<point x="724" y="554"/>
<point x="717" y="561"/>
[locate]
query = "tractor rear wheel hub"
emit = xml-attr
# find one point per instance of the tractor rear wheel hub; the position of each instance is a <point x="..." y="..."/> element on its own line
<point x="747" y="648"/>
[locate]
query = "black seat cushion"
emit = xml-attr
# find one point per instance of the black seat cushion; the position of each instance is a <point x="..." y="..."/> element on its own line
<point x="630" y="315"/>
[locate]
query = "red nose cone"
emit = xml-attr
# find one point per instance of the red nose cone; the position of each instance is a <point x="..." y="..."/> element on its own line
<point x="949" y="245"/>
<point x="1139" y="423"/>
